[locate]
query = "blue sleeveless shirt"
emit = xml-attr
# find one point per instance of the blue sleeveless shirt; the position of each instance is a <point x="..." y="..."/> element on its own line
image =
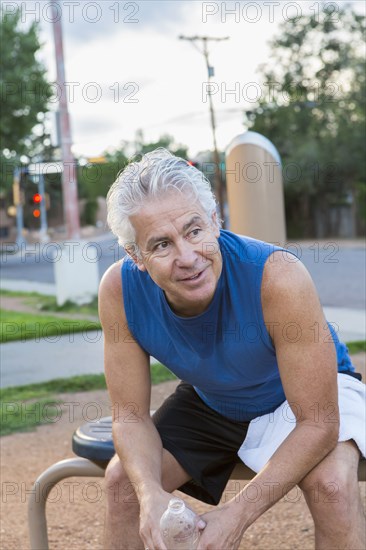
<point x="226" y="352"/>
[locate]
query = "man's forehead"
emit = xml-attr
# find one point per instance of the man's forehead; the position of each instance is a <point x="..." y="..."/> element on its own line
<point x="179" y="222"/>
<point x="151" y="223"/>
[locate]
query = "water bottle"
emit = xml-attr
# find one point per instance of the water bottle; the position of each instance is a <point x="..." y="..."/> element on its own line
<point x="178" y="526"/>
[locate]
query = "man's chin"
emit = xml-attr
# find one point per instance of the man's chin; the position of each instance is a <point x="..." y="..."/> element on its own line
<point x="194" y="302"/>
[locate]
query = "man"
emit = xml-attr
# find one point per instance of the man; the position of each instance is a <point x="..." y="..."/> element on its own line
<point x="240" y="322"/>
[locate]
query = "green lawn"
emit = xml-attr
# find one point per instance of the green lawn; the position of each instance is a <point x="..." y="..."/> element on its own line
<point x="16" y="325"/>
<point x="25" y="407"/>
<point x="48" y="303"/>
<point x="356" y="347"/>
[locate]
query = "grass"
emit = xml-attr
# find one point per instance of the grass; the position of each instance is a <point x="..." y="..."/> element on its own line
<point x="20" y="294"/>
<point x="18" y="416"/>
<point x="23" y="408"/>
<point x="49" y="303"/>
<point x="356" y="347"/>
<point x="86" y="382"/>
<point x="16" y="325"/>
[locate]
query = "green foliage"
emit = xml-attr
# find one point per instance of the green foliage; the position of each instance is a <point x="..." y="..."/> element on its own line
<point x="90" y="212"/>
<point x="314" y="110"/>
<point x="361" y="198"/>
<point x="119" y="156"/>
<point x="95" y="179"/>
<point x="165" y="141"/>
<point x="25" y="91"/>
<point x="129" y="151"/>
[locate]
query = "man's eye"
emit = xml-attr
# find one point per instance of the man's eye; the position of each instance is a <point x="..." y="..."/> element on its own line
<point x="162" y="246"/>
<point x="195" y="232"/>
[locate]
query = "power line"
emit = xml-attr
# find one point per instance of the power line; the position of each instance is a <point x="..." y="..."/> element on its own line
<point x="210" y="74"/>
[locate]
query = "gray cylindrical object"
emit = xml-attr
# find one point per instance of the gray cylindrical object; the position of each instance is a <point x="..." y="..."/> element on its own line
<point x="255" y="188"/>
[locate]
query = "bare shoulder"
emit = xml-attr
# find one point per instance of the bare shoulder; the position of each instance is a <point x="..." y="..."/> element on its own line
<point x="126" y="364"/>
<point x="290" y="299"/>
<point x="111" y="281"/>
<point x="294" y="317"/>
<point x="285" y="280"/>
<point x="110" y="300"/>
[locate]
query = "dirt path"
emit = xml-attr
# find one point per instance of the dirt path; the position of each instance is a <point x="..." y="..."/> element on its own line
<point x="75" y="509"/>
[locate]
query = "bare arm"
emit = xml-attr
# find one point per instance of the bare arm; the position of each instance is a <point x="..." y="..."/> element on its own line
<point x="127" y="370"/>
<point x="308" y="371"/>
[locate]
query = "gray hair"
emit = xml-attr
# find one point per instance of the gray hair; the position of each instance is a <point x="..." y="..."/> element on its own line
<point x="150" y="178"/>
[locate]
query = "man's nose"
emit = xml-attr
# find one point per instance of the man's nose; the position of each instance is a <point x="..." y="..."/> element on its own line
<point x="186" y="254"/>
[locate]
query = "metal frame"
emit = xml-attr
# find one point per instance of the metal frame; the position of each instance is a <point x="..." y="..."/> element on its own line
<point x="82" y="467"/>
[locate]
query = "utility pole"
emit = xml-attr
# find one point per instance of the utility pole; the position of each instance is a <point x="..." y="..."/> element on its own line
<point x="69" y="183"/>
<point x="18" y="199"/>
<point x="210" y="73"/>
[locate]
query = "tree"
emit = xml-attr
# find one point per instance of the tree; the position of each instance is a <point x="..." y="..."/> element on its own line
<point x="314" y="112"/>
<point x="95" y="179"/>
<point x="165" y="141"/>
<point x="25" y="90"/>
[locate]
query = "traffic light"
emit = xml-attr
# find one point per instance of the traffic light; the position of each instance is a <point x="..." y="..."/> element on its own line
<point x="37" y="199"/>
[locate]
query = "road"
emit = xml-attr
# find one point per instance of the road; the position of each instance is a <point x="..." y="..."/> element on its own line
<point x="339" y="274"/>
<point x="339" y="271"/>
<point x="36" y="262"/>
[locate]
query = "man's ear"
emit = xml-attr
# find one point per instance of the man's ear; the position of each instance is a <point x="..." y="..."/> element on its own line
<point x="215" y="225"/>
<point x="133" y="251"/>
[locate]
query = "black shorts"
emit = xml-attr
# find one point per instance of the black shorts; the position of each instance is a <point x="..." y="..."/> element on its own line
<point x="204" y="442"/>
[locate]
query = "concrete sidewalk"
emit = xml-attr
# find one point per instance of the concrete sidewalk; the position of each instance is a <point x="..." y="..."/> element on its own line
<point x="82" y="353"/>
<point x="54" y="357"/>
<point x="349" y="324"/>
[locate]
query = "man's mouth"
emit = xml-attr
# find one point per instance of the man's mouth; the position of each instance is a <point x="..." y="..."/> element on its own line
<point x="193" y="277"/>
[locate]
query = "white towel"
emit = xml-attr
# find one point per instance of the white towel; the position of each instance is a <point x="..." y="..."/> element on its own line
<point x="266" y="433"/>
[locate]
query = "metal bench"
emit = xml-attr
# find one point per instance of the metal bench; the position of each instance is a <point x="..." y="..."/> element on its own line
<point x="93" y="445"/>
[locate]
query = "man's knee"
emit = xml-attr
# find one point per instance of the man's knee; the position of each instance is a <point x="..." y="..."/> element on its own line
<point x="332" y="487"/>
<point x="326" y="488"/>
<point x="120" y="491"/>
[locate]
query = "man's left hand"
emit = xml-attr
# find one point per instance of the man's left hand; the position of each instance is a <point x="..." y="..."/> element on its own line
<point x="223" y="530"/>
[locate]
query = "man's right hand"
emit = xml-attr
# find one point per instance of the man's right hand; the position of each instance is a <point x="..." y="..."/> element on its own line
<point x="152" y="507"/>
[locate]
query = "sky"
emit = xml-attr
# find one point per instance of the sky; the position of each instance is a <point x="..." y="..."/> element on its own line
<point x="126" y="69"/>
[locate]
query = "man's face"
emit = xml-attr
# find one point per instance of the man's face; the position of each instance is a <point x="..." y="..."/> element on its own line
<point x="179" y="250"/>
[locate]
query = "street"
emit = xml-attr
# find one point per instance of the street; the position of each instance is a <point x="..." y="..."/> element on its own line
<point x="338" y="270"/>
<point x="36" y="262"/>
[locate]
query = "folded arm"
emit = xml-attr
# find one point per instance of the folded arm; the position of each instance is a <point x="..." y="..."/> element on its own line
<point x="127" y="370"/>
<point x="308" y="369"/>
